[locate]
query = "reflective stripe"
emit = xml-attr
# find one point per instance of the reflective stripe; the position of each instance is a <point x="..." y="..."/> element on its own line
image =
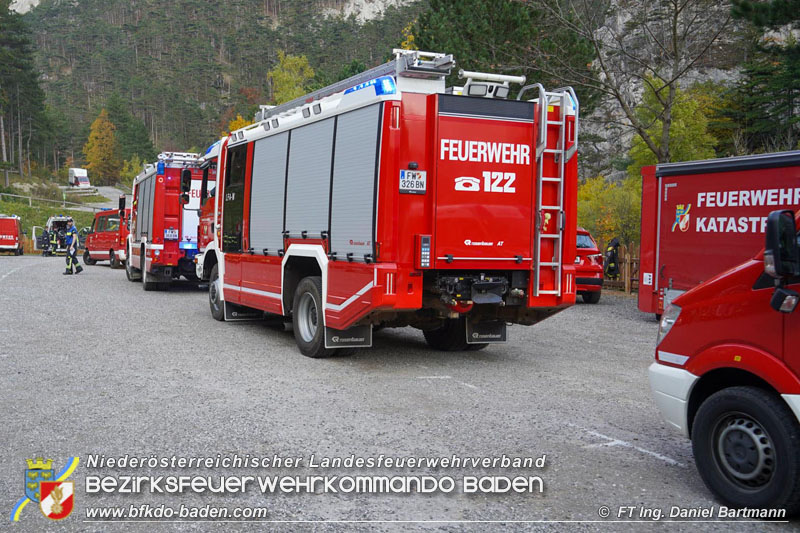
<point x="253" y="291"/>
<point x="339" y="307"/>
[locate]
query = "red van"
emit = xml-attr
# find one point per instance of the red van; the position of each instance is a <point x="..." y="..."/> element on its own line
<point x="588" y="268"/>
<point x="107" y="237"/>
<point x="10" y="234"/>
<point x="727" y="374"/>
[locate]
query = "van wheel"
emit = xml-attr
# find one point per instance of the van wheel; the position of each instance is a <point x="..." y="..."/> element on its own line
<point x="113" y="260"/>
<point x="21" y="251"/>
<point x="591" y="297"/>
<point x="88" y="258"/>
<point x="451" y="337"/>
<point x="215" y="295"/>
<point x="307" y="318"/>
<point x="746" y="444"/>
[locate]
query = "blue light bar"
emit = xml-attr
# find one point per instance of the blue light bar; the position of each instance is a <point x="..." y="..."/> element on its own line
<point x="188" y="246"/>
<point x="160" y="168"/>
<point x="383" y="85"/>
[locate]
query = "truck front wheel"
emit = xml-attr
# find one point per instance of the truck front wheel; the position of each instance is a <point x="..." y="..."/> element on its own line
<point x="746" y="444"/>
<point x="307" y="318"/>
<point x="451" y="337"/>
<point x="88" y="258"/>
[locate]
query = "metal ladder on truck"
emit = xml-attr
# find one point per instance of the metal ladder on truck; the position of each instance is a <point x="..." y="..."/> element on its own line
<point x="560" y="155"/>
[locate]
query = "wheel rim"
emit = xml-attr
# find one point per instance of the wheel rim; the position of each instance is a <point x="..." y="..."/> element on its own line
<point x="307" y="317"/>
<point x="213" y="294"/>
<point x="744" y="451"/>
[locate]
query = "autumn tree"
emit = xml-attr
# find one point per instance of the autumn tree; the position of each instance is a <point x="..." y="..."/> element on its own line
<point x="655" y="44"/>
<point x="101" y="151"/>
<point x="236" y="123"/>
<point x="290" y="77"/>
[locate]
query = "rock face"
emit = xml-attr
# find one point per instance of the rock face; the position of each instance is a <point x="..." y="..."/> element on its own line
<point x="365" y="9"/>
<point x="23" y="6"/>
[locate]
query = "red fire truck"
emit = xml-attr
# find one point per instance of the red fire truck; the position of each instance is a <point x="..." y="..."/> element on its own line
<point x="108" y="238"/>
<point x="727" y="373"/>
<point x="387" y="199"/>
<point x="205" y="230"/>
<point x="11" y="234"/>
<point x="717" y="204"/>
<point x="163" y="233"/>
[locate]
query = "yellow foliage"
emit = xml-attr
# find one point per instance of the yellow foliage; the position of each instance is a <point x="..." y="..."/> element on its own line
<point x="100" y="151"/>
<point x="609" y="209"/>
<point x="237" y="123"/>
<point x="408" y="37"/>
<point x="290" y="77"/>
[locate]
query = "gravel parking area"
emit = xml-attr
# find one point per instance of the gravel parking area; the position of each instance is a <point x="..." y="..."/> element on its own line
<point x="92" y="364"/>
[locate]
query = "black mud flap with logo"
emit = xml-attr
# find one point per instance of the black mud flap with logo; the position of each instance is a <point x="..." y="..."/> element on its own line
<point x="355" y="337"/>
<point x="235" y="312"/>
<point x="488" y="332"/>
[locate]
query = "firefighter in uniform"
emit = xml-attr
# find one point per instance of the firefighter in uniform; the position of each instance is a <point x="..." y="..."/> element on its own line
<point x="71" y="236"/>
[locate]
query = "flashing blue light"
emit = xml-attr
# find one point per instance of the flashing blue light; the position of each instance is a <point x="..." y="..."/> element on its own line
<point x="383" y="85"/>
<point x="188" y="246"/>
<point x="160" y="168"/>
<point x="212" y="147"/>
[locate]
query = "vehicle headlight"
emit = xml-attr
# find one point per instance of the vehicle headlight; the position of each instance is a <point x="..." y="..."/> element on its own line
<point x="668" y="319"/>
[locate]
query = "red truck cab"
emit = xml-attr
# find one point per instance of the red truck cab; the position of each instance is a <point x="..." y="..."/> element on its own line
<point x="727" y="374"/>
<point x="588" y="268"/>
<point x="10" y="234"/>
<point x="107" y="238"/>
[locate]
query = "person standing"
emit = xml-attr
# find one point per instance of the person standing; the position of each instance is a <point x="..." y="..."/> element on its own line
<point x="71" y="237"/>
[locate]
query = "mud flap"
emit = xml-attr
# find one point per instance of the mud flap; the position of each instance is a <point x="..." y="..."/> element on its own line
<point x="355" y="337"/>
<point x="488" y="332"/>
<point x="235" y="312"/>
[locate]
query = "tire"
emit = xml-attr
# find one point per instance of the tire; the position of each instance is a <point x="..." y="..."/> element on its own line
<point x="88" y="259"/>
<point x="452" y="337"/>
<point x="746" y="444"/>
<point x="214" y="296"/>
<point x="307" y="318"/>
<point x="113" y="260"/>
<point x="591" y="297"/>
<point x="21" y="251"/>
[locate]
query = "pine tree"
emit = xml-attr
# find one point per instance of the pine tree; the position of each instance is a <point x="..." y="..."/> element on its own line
<point x="101" y="151"/>
<point x="132" y="137"/>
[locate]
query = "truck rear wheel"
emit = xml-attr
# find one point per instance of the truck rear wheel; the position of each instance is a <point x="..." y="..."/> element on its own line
<point x="113" y="260"/>
<point x="746" y="444"/>
<point x="591" y="297"/>
<point x="451" y="337"/>
<point x="215" y="295"/>
<point x="307" y="318"/>
<point x="88" y="258"/>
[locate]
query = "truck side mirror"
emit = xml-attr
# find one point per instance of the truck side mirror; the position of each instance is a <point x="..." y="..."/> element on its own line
<point x="204" y="188"/>
<point x="186" y="180"/>
<point x="781" y="256"/>
<point x="121" y="204"/>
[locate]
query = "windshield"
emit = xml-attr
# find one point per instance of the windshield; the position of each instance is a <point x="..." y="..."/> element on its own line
<point x="585" y="241"/>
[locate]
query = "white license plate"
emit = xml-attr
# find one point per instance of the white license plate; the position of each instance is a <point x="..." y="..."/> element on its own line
<point x="413" y="181"/>
<point x="171" y="234"/>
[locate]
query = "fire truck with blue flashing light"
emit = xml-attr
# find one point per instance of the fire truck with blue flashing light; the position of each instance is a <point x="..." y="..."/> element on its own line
<point x="390" y="200"/>
<point x="162" y="242"/>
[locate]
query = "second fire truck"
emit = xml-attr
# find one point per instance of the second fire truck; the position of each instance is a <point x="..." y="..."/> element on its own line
<point x="162" y="242"/>
<point x="388" y="200"/>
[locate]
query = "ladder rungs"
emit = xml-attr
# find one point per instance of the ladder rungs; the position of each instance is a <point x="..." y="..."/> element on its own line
<point x="552" y="179"/>
<point x="549" y="264"/>
<point x="559" y="122"/>
<point x="548" y="292"/>
<point x="550" y="207"/>
<point x="553" y="151"/>
<point x="549" y="236"/>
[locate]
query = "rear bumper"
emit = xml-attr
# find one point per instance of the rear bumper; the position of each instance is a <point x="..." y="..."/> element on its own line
<point x="671" y="388"/>
<point x="9" y="246"/>
<point x="589" y="279"/>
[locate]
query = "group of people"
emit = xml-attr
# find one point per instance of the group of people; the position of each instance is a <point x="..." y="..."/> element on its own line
<point x="67" y="238"/>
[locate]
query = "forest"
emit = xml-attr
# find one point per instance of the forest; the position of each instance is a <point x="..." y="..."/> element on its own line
<point x="108" y="84"/>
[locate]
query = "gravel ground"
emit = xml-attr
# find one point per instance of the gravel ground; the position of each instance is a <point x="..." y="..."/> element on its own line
<point x="92" y="364"/>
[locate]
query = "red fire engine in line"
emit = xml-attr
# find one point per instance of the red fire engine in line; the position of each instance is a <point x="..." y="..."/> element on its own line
<point x="108" y="237"/>
<point x="691" y="208"/>
<point x="10" y="234"/>
<point x="387" y="199"/>
<point x="727" y="373"/>
<point x="205" y="229"/>
<point x="163" y="232"/>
